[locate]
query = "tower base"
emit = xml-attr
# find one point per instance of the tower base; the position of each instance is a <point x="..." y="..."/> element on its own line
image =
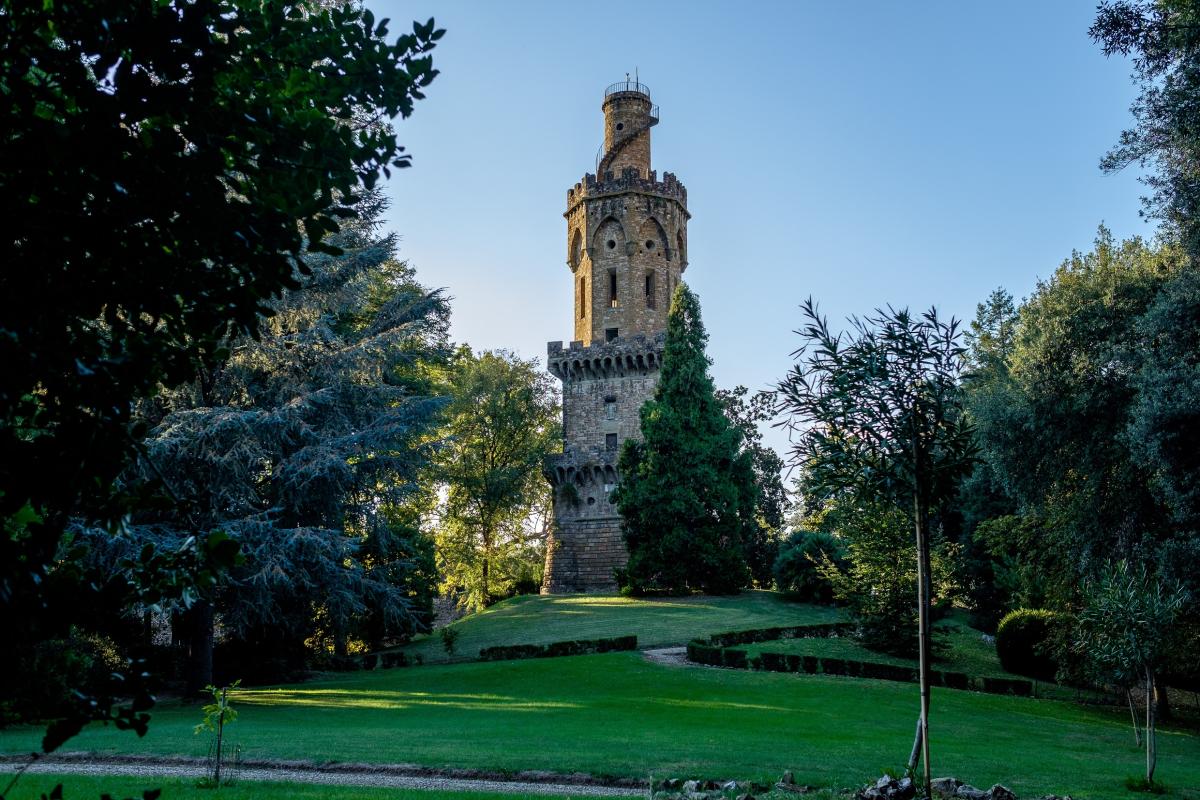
<point x="582" y="556"/>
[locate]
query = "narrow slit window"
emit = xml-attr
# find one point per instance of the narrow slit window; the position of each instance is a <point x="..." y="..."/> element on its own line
<point x="612" y="288"/>
<point x="650" y="299"/>
<point x="582" y="298"/>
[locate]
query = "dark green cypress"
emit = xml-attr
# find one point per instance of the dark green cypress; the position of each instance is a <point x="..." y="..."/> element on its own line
<point x="687" y="495"/>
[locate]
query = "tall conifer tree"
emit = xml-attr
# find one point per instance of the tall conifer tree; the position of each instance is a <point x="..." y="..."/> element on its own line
<point x="687" y="495"/>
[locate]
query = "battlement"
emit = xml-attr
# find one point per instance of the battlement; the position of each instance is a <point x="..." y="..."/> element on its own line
<point x="623" y="356"/>
<point x="584" y="468"/>
<point x="628" y="181"/>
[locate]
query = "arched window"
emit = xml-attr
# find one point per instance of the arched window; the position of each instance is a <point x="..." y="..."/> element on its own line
<point x="576" y="248"/>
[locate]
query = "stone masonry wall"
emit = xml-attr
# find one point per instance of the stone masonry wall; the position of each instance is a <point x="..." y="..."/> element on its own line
<point x="583" y="554"/>
<point x="633" y="232"/>
<point x="624" y="114"/>
<point x="593" y="409"/>
<point x="627" y="250"/>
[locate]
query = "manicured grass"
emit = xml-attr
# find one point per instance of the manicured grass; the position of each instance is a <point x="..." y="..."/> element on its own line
<point x="967" y="651"/>
<point x="618" y="714"/>
<point x="32" y="786"/>
<point x="540" y="620"/>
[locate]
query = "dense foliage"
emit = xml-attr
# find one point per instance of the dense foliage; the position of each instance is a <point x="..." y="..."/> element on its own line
<point x="1163" y="39"/>
<point x="163" y="167"/>
<point x="502" y="423"/>
<point x="1024" y="642"/>
<point x="302" y="445"/>
<point x="688" y="497"/>
<point x="1095" y="376"/>
<point x="746" y="412"/>
<point x="876" y="575"/>
<point x="1126" y="628"/>
<point x="797" y="568"/>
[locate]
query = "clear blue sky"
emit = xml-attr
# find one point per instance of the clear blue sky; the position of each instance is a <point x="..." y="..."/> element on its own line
<point x="864" y="153"/>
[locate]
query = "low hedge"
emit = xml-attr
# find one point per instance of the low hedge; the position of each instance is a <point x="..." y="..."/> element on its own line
<point x="716" y="651"/>
<point x="825" y="630"/>
<point x="581" y="647"/>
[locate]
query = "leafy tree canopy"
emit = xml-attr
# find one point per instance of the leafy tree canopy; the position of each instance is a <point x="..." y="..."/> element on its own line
<point x="501" y="424"/>
<point x="1075" y="375"/>
<point x="745" y="412"/>
<point x="163" y="168"/>
<point x="303" y="445"/>
<point x="1163" y="39"/>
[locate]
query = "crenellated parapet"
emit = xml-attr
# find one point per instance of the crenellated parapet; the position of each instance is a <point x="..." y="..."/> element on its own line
<point x="587" y="468"/>
<point x="628" y="180"/>
<point x="622" y="357"/>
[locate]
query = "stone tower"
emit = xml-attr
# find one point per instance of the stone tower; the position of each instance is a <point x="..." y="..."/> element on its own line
<point x="627" y="250"/>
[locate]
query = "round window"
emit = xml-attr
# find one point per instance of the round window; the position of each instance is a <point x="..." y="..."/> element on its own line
<point x="591" y="501"/>
<point x="611" y="243"/>
<point x="620" y="126"/>
<point x="649" y="244"/>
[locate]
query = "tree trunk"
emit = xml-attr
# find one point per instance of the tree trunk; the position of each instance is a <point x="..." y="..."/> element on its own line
<point x="1162" y="700"/>
<point x="198" y="669"/>
<point x="1151" y="745"/>
<point x="487" y="592"/>
<point x="1137" y="732"/>
<point x="925" y="601"/>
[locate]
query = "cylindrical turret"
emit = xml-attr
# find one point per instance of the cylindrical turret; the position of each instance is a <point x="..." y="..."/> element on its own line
<point x="628" y="117"/>
<point x="626" y="234"/>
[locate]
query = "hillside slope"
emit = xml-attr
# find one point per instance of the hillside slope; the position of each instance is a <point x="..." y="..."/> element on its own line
<point x="655" y="621"/>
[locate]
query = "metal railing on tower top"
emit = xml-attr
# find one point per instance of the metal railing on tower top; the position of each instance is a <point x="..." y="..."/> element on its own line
<point x="627" y="86"/>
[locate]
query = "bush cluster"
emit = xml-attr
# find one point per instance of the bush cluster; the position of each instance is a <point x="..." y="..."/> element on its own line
<point x="48" y="674"/>
<point x="796" y="567"/>
<point x="1024" y="642"/>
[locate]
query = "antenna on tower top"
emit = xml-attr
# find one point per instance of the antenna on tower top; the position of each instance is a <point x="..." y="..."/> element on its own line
<point x="635" y="75"/>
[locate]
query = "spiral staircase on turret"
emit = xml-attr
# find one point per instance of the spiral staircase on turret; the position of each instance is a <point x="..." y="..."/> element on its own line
<point x="604" y="159"/>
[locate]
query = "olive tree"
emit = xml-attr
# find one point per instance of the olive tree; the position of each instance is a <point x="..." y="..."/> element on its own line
<point x="877" y="415"/>
<point x="1125" y="629"/>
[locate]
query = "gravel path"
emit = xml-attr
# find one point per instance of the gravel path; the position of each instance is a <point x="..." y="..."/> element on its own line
<point x="671" y="656"/>
<point x="332" y="775"/>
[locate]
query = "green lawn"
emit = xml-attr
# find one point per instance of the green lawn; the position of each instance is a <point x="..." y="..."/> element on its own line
<point x="617" y="714"/>
<point x="966" y="652"/>
<point x="31" y="787"/>
<point x="540" y="620"/>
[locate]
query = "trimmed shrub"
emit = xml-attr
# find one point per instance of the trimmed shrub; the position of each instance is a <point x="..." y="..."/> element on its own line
<point x="735" y="659"/>
<point x="795" y="568"/>
<point x="554" y="649"/>
<point x="702" y="653"/>
<point x="773" y="662"/>
<point x="833" y="666"/>
<point x="1024" y="641"/>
